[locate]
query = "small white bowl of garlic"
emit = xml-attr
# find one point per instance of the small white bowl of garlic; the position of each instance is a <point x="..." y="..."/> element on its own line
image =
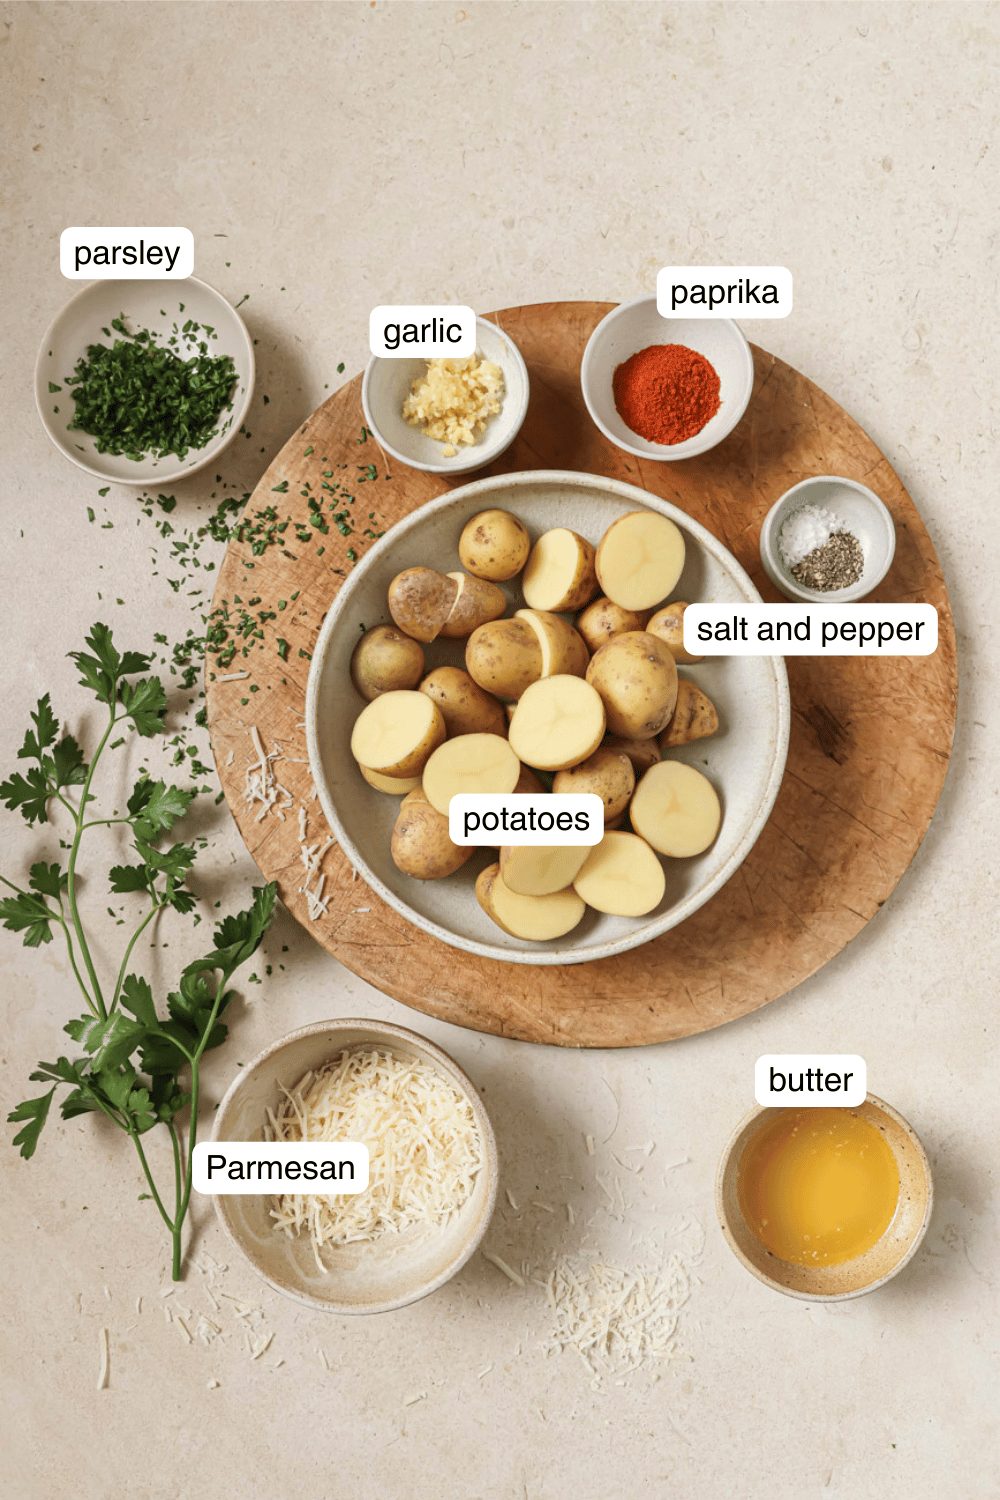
<point x="448" y="416"/>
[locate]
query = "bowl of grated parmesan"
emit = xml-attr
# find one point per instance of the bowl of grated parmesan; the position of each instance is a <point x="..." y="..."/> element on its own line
<point x="449" y="416"/>
<point x="433" y="1166"/>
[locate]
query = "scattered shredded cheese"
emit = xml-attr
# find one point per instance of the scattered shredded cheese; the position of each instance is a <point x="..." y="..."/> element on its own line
<point x="616" y="1320"/>
<point x="423" y="1143"/>
<point x="105" y="1369"/>
<point x="502" y="1266"/>
<point x="262" y="786"/>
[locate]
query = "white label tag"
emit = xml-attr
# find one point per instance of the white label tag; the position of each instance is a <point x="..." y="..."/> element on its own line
<point x="811" y="629"/>
<point x="724" y="292"/>
<point x="553" y="819"/>
<point x="272" y="1167"/>
<point x="810" y="1079"/>
<point x="426" y="332"/>
<point x="126" y="254"/>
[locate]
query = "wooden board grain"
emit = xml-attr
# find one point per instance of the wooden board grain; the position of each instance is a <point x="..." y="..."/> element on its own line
<point x="869" y="745"/>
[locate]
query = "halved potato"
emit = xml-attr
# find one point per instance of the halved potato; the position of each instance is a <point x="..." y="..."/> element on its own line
<point x="639" y="559"/>
<point x="504" y="657"/>
<point x="420" y="601"/>
<point x="694" y="716"/>
<point x="608" y="774"/>
<point x="539" y="919"/>
<point x="395" y="786"/>
<point x="668" y="624"/>
<point x="541" y="869"/>
<point x="563" y="649"/>
<point x="479" y="763"/>
<point x="421" y="846"/>
<point x="494" y="545"/>
<point x="476" y="602"/>
<point x="605" y="619"/>
<point x="676" y="810"/>
<point x="636" y="677"/>
<point x="560" y="572"/>
<point x="385" y="661"/>
<point x="557" y="723"/>
<point x="621" y="877"/>
<point x="396" y="733"/>
<point x="466" y="709"/>
<point x="642" y="753"/>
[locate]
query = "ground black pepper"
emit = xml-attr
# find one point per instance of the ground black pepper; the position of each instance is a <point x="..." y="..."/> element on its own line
<point x="836" y="564"/>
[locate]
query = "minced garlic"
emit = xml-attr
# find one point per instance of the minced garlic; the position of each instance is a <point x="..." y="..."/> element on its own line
<point x="454" y="399"/>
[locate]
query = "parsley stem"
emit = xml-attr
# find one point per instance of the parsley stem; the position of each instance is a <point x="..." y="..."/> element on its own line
<point x="71" y="952"/>
<point x="71" y="868"/>
<point x="157" y="906"/>
<point x="102" y="822"/>
<point x="175" y="1232"/>
<point x="224" y="977"/>
<point x="137" y="1143"/>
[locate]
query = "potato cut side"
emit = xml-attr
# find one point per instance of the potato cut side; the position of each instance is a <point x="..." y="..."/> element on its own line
<point x="563" y="648"/>
<point x="557" y="723"/>
<point x="538" y="919"/>
<point x="560" y="572"/>
<point x="541" y="869"/>
<point x="477" y="763"/>
<point x="621" y="877"/>
<point x="395" y="786"/>
<point x="676" y="810"/>
<point x="396" y="733"/>
<point x="640" y="559"/>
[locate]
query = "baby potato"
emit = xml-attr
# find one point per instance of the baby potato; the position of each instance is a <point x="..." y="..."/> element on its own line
<point x="560" y="573"/>
<point x="384" y="661"/>
<point x="420" y="601"/>
<point x="608" y="774"/>
<point x="642" y="753"/>
<point x="558" y="723"/>
<point x="539" y="919"/>
<point x="563" y="649"/>
<point x="604" y="619"/>
<point x="640" y="558"/>
<point x="541" y="869"/>
<point x="676" y="810"/>
<point x="420" y="843"/>
<point x="668" y="624"/>
<point x="694" y="717"/>
<point x="504" y="657"/>
<point x="622" y="877"/>
<point x="475" y="603"/>
<point x="465" y="708"/>
<point x="494" y="545"/>
<point x="396" y="733"/>
<point x="529" y="783"/>
<point x="636" y="677"/>
<point x="472" y="763"/>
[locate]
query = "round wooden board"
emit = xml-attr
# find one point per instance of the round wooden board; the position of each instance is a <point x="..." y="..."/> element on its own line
<point x="869" y="745"/>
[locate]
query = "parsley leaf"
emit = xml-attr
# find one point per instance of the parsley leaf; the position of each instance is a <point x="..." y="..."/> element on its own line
<point x="35" y="1112"/>
<point x="30" y="915"/>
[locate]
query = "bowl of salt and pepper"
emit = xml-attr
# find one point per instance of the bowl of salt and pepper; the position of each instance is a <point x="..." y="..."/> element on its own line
<point x="672" y="388"/>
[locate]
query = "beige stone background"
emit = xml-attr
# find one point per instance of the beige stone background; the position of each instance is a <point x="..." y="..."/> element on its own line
<point x="354" y="154"/>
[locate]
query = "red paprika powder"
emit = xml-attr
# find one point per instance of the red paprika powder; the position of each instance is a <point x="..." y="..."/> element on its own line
<point x="666" y="393"/>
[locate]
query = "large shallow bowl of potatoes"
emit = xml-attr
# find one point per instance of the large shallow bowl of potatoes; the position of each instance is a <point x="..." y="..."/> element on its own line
<point x="524" y="634"/>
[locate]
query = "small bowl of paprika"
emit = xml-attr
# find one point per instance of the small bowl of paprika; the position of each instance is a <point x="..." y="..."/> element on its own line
<point x="665" y="388"/>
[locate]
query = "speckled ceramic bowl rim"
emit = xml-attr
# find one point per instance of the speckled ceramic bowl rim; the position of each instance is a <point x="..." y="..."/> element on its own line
<point x="384" y="1032"/>
<point x="479" y="454"/>
<point x="777" y="572"/>
<point x="662" y="452"/>
<point x="217" y="445"/>
<point x="861" y="1291"/>
<point x="373" y="559"/>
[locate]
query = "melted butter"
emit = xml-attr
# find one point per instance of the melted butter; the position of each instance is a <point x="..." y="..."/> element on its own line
<point x="818" y="1187"/>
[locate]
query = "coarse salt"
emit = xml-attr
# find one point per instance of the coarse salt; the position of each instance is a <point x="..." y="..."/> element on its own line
<point x="806" y="529"/>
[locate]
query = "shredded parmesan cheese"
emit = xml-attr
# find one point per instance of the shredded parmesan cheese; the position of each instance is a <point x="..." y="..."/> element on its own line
<point x="102" y="1377"/>
<point x="616" y="1320"/>
<point x="262" y="786"/>
<point x="422" y="1139"/>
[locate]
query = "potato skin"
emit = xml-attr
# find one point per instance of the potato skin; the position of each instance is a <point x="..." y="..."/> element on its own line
<point x="642" y="753"/>
<point x="504" y="658"/>
<point x="420" y="844"/>
<point x="384" y="661"/>
<point x="494" y="545"/>
<point x="465" y="708"/>
<point x="392" y="786"/>
<point x="694" y="717"/>
<point x="636" y="677"/>
<point x="567" y="649"/>
<point x="420" y="601"/>
<point x="601" y="621"/>
<point x="668" y="624"/>
<point x="608" y="774"/>
<point x="476" y="602"/>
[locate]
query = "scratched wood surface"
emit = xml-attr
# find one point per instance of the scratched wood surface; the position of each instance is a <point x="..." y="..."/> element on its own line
<point x="870" y="738"/>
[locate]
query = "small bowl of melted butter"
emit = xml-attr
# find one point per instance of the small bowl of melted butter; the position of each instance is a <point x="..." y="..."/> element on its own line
<point x="825" y="1203"/>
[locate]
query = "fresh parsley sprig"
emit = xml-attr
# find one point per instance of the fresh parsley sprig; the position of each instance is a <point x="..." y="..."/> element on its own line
<point x="138" y="1068"/>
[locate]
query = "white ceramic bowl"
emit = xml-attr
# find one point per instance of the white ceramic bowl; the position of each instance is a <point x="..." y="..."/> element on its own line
<point x="745" y="761"/>
<point x="635" y="325"/>
<point x="359" y="1278"/>
<point x="862" y="512"/>
<point x="386" y="384"/>
<point x="155" y="305"/>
